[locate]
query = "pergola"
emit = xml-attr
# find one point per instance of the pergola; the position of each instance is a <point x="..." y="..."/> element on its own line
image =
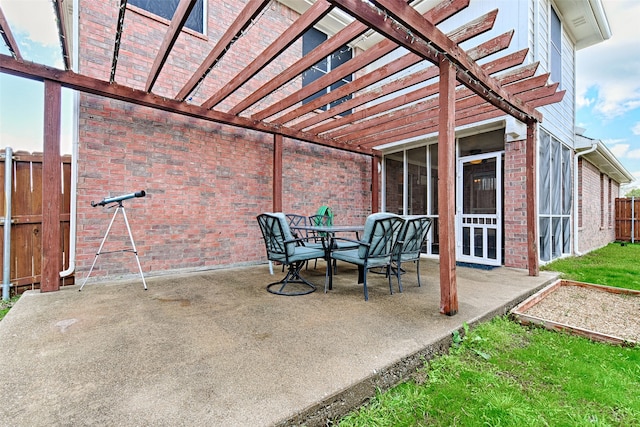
<point x="465" y="92"/>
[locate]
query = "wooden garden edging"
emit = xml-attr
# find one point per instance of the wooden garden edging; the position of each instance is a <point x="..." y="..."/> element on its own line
<point x="519" y="313"/>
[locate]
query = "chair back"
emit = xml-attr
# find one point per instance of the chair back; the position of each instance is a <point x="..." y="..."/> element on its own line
<point x="295" y="220"/>
<point x="321" y="220"/>
<point x="381" y="231"/>
<point x="276" y="233"/>
<point x="412" y="236"/>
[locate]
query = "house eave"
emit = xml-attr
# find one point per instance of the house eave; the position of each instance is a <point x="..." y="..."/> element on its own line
<point x="603" y="159"/>
<point x="586" y="21"/>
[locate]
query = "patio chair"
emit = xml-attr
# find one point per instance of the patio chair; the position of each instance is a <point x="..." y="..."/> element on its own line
<point x="295" y="220"/>
<point x="282" y="247"/>
<point x="412" y="236"/>
<point x="375" y="249"/>
<point x="326" y="220"/>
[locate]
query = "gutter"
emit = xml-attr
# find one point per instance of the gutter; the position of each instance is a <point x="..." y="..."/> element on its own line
<point x="74" y="151"/>
<point x="593" y="148"/>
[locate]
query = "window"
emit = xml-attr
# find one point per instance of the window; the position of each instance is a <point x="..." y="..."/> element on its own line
<point x="166" y="8"/>
<point x="555" y="48"/>
<point x="555" y="198"/>
<point x="310" y="40"/>
<point x="410" y="183"/>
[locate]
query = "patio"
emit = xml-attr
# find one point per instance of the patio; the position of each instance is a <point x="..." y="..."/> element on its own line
<point x="215" y="348"/>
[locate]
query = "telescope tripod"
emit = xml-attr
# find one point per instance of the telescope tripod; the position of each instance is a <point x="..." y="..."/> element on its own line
<point x="120" y="208"/>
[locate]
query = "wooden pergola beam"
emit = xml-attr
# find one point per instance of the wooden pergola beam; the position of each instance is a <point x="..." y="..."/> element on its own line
<point x="374" y="115"/>
<point x="468" y="72"/>
<point x="361" y="61"/>
<point x="424" y="115"/>
<point x="95" y="86"/>
<point x="180" y="17"/>
<point x="307" y="20"/>
<point x="344" y="36"/>
<point x="430" y="43"/>
<point x="250" y="11"/>
<point x="8" y="38"/>
<point x="534" y="88"/>
<point x="398" y="85"/>
<point x="464" y="33"/>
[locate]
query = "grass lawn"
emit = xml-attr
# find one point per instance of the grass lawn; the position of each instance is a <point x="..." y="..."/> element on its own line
<point x="5" y="306"/>
<point x="504" y="374"/>
<point x="613" y="265"/>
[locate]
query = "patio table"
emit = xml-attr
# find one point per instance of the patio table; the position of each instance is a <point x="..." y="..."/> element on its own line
<point x="326" y="233"/>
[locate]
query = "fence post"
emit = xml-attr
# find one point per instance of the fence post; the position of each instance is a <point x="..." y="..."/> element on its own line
<point x="633" y="219"/>
<point x="6" y="256"/>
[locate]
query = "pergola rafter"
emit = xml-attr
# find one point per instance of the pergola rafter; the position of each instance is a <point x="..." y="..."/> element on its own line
<point x="361" y="61"/>
<point x="397" y="21"/>
<point x="464" y="33"/>
<point x="307" y="20"/>
<point x="8" y="38"/>
<point x="409" y="81"/>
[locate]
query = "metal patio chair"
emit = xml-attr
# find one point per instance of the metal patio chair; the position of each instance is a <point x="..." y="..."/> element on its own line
<point x="412" y="236"/>
<point x="375" y="249"/>
<point x="284" y="248"/>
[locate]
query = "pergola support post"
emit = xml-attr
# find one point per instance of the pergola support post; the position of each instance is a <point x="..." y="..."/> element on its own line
<point x="51" y="189"/>
<point x="532" y="208"/>
<point x="375" y="187"/>
<point x="446" y="186"/>
<point x="277" y="173"/>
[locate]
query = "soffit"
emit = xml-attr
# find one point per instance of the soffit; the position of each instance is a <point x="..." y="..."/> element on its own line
<point x="603" y="159"/>
<point x="585" y="20"/>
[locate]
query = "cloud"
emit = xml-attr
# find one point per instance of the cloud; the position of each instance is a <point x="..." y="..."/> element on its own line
<point x="636" y="129"/>
<point x="634" y="154"/>
<point x="619" y="150"/>
<point x="612" y="66"/>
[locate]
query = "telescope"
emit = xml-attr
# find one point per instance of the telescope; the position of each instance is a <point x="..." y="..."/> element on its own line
<point x="119" y="199"/>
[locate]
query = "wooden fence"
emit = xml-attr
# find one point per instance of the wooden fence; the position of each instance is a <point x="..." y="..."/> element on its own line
<point x="26" y="219"/>
<point x="628" y="219"/>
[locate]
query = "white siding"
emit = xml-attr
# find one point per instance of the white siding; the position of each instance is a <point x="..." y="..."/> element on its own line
<point x="559" y="119"/>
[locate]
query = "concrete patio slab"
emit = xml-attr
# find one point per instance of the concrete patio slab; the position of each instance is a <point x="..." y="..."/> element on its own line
<point x="215" y="348"/>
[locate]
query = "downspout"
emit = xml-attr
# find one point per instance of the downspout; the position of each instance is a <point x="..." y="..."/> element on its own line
<point x="6" y="257"/>
<point x="74" y="151"/>
<point x="593" y="148"/>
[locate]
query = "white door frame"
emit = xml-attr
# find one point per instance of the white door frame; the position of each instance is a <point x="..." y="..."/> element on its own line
<point x="479" y="225"/>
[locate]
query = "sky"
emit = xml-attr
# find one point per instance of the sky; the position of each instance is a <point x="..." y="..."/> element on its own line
<point x="607" y="93"/>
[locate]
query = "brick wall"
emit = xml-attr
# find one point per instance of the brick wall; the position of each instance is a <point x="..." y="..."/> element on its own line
<point x="205" y="182"/>
<point x="596" y="225"/>
<point x="515" y="198"/>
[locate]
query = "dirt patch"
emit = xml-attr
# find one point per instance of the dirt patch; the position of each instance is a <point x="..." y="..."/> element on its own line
<point x="598" y="312"/>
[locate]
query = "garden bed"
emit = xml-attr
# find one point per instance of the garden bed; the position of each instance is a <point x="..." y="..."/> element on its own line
<point x="597" y="312"/>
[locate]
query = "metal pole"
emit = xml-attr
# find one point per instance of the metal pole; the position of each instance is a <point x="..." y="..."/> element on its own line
<point x="633" y="219"/>
<point x="6" y="259"/>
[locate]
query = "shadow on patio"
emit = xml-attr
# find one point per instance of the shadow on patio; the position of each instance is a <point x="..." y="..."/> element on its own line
<point x="215" y="348"/>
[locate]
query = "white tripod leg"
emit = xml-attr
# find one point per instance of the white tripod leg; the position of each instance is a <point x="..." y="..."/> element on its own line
<point x="135" y="251"/>
<point x="100" y="249"/>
